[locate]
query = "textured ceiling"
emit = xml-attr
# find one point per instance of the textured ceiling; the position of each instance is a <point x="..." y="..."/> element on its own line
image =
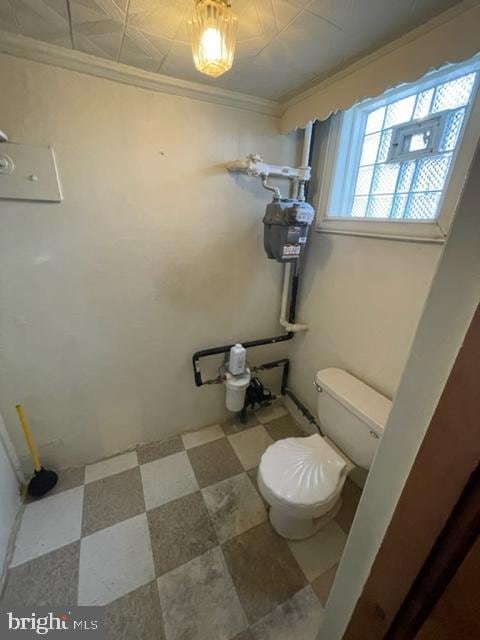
<point x="283" y="45"/>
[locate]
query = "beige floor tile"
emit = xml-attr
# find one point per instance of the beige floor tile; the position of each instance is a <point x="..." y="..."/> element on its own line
<point x="155" y="450"/>
<point x="197" y="438"/>
<point x="67" y="479"/>
<point x="284" y="427"/>
<point x="167" y="479"/>
<point x="135" y="616"/>
<point x="50" y="580"/>
<point x="244" y="635"/>
<point x="234" y="506"/>
<point x="351" y="495"/>
<point x="323" y="584"/>
<point x="319" y="553"/>
<point x="214" y="461"/>
<point x="180" y="531"/>
<point x="111" y="500"/>
<point x="299" y="618"/>
<point x="253" y="475"/>
<point x="199" y="601"/>
<point x="108" y="467"/>
<point x="233" y="425"/>
<point x="274" y="411"/>
<point x="250" y="445"/>
<point x="264" y="571"/>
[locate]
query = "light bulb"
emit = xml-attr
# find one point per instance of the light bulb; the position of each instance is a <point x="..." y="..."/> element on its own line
<point x="212" y="44"/>
<point x="213" y="29"/>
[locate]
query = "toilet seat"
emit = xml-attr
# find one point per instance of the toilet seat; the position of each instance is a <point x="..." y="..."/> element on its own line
<point x="304" y="476"/>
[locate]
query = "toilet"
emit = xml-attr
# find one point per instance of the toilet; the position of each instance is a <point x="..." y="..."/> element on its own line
<point x="302" y="478"/>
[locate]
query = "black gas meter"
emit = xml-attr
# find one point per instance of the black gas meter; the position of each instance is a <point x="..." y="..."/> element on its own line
<point x="286" y="224"/>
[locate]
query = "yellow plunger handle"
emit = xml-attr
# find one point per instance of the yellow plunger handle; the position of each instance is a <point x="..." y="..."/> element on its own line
<point x="28" y="437"/>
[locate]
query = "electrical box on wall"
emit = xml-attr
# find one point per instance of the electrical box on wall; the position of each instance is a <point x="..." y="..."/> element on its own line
<point x="28" y="173"/>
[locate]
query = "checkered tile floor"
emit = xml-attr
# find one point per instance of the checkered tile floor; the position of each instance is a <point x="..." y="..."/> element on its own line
<point x="174" y="540"/>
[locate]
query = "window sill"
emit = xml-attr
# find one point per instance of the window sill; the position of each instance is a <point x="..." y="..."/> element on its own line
<point x="425" y="232"/>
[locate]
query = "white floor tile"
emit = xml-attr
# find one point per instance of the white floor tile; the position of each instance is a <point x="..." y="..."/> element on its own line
<point x="196" y="438"/>
<point x="300" y="617"/>
<point x="166" y="479"/>
<point x="111" y="466"/>
<point x="115" y="561"/>
<point x="250" y="445"/>
<point x="49" y="524"/>
<point x="320" y="552"/>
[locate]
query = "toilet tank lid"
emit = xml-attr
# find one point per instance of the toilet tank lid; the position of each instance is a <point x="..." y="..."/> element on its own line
<point x="369" y="405"/>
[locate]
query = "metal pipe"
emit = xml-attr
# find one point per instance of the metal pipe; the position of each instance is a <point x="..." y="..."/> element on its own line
<point x="286" y="285"/>
<point x="240" y="166"/>
<point x="307" y="141"/>
<point x="226" y="348"/>
<point x="293" y="296"/>
<point x="269" y="187"/>
<point x="290" y="324"/>
<point x="303" y="409"/>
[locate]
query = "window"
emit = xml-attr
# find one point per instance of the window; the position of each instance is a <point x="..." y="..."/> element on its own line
<point x="394" y="158"/>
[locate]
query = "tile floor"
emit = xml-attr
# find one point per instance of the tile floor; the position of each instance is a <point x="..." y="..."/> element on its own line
<point x="174" y="540"/>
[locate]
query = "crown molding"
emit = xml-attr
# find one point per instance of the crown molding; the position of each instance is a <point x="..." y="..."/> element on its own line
<point x="37" y="51"/>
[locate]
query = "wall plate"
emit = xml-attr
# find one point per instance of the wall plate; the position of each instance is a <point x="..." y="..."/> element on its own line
<point x="28" y="172"/>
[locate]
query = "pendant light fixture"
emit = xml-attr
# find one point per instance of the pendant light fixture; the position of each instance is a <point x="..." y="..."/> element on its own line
<point x="213" y="31"/>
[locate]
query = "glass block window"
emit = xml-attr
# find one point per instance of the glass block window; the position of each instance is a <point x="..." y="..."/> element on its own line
<point x="399" y="149"/>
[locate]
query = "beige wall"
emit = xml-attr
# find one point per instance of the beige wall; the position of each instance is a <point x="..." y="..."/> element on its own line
<point x="449" y="309"/>
<point x="155" y="252"/>
<point x="362" y="299"/>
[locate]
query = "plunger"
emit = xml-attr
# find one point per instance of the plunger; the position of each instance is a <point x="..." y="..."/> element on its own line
<point x="43" y="479"/>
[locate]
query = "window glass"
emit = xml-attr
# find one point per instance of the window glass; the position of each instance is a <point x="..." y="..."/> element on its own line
<point x="408" y="187"/>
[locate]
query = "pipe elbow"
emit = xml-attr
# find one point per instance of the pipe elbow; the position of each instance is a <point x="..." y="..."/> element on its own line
<point x="293" y="328"/>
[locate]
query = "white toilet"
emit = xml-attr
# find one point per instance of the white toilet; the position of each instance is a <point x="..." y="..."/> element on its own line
<point x="302" y="478"/>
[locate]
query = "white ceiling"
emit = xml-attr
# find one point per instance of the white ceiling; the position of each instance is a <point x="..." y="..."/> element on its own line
<point x="283" y="45"/>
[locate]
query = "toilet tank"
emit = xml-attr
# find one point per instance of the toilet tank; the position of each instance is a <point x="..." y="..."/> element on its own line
<point x="352" y="414"/>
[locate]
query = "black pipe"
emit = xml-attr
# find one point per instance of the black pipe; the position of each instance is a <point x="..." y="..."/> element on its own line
<point x="293" y="297"/>
<point x="271" y="365"/>
<point x="226" y="348"/>
<point x="215" y="351"/>
<point x="286" y="369"/>
<point x="283" y="362"/>
<point x="302" y="408"/>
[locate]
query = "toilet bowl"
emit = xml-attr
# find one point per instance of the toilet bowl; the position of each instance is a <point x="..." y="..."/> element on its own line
<point x="302" y="478"/>
<point x="302" y="481"/>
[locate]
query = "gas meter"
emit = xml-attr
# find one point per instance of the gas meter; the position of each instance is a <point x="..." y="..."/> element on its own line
<point x="286" y="224"/>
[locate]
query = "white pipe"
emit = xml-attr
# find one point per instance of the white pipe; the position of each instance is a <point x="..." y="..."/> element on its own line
<point x="240" y="166"/>
<point x="253" y="165"/>
<point x="307" y="141"/>
<point x="270" y="187"/>
<point x="294" y="328"/>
